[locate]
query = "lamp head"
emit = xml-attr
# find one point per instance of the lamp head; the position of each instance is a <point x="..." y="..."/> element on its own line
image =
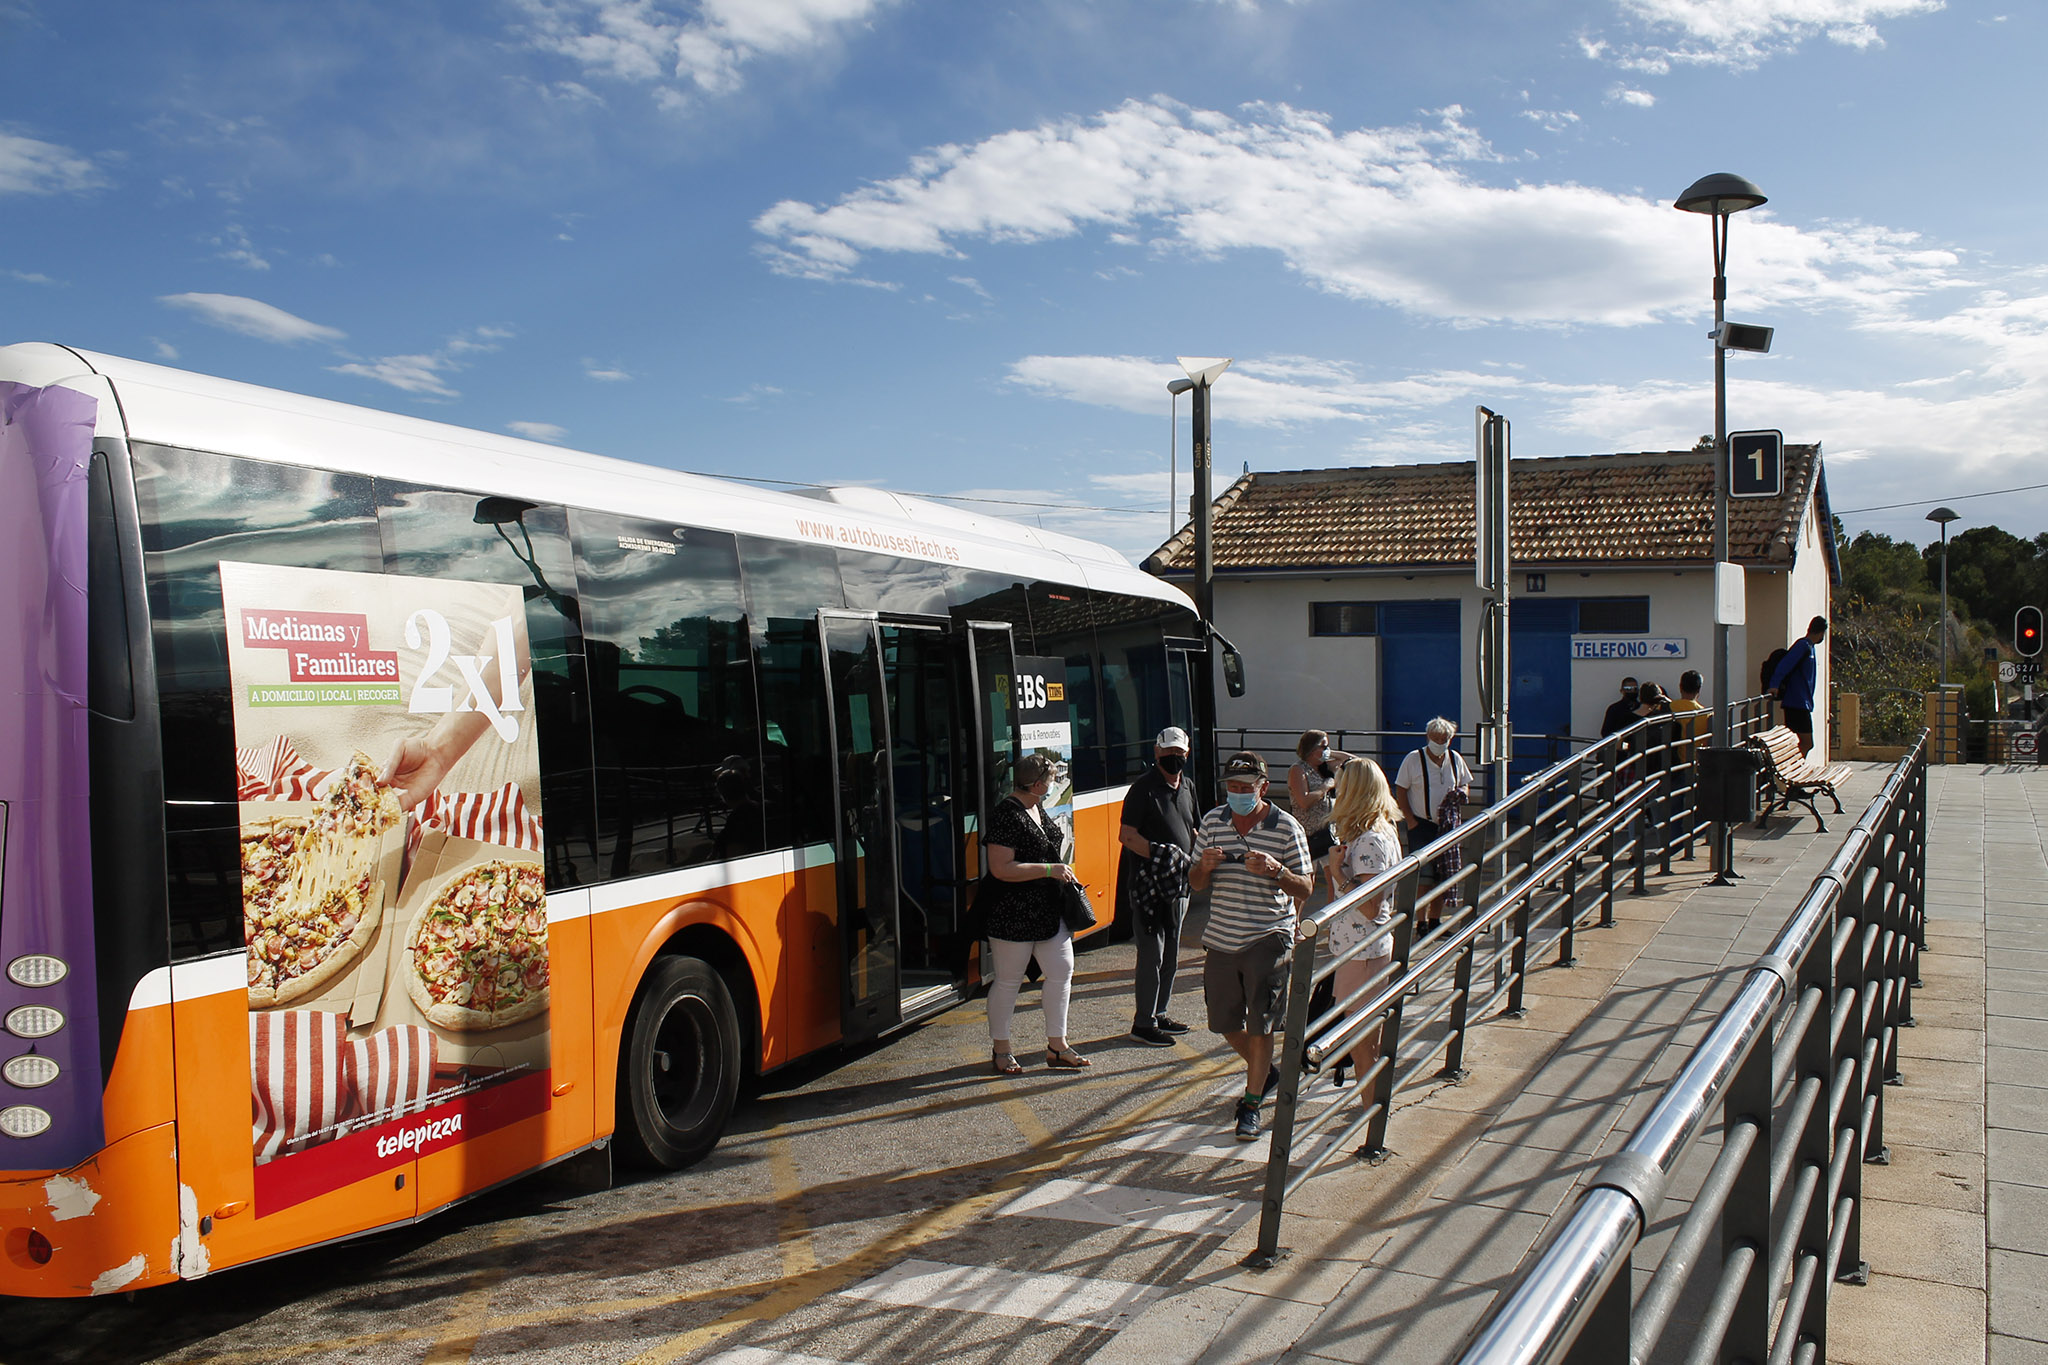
<point x="1944" y="515"/>
<point x="1203" y="369"/>
<point x="1720" y="194"/>
<point x="1179" y="386"/>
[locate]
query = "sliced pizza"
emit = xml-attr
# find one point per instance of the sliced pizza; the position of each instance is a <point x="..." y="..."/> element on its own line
<point x="479" y="952"/>
<point x="311" y="898"/>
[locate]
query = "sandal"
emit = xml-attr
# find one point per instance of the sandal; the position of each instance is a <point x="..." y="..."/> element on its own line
<point x="1006" y="1064"/>
<point x="1065" y="1060"/>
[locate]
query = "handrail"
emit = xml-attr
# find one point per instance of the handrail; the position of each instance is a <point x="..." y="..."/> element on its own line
<point x="1798" y="1063"/>
<point x="1535" y="867"/>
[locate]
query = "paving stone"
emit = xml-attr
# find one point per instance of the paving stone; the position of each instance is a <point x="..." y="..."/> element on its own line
<point x="2017" y="1351"/>
<point x="2024" y="1107"/>
<point x="1464" y="1242"/>
<point x="1939" y="1177"/>
<point x="1395" y="1316"/>
<point x="1922" y="1243"/>
<point x="2027" y="1033"/>
<point x="1893" y="1320"/>
<point x="2019" y="1217"/>
<point x="2019" y="1294"/>
<point x="2017" y="1156"/>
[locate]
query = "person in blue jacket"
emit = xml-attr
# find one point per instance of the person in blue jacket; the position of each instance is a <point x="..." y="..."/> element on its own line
<point x="1794" y="680"/>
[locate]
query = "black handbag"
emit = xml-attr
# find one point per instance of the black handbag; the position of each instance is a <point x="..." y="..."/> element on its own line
<point x="1075" y="911"/>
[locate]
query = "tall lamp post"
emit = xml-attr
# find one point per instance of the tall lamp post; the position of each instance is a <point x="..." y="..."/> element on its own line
<point x="1718" y="196"/>
<point x="1944" y="515"/>
<point x="1201" y="373"/>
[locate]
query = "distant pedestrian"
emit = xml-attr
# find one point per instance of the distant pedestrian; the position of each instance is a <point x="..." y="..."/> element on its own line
<point x="1431" y="787"/>
<point x="1158" y="835"/>
<point x="1252" y="858"/>
<point x="1022" y="914"/>
<point x="1364" y="822"/>
<point x="1692" y="713"/>
<point x="1621" y="713"/>
<point x="1796" y="677"/>
<point x="1311" y="789"/>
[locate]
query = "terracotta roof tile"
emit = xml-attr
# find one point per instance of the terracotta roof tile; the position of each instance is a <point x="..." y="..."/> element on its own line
<point x="1651" y="508"/>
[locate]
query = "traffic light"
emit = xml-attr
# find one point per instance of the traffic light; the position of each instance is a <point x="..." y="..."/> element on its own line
<point x="2026" y="631"/>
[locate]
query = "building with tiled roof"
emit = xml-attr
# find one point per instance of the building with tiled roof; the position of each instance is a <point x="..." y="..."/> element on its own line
<point x="1350" y="591"/>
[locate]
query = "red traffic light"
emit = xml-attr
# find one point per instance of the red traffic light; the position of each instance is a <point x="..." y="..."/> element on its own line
<point x="2026" y="631"/>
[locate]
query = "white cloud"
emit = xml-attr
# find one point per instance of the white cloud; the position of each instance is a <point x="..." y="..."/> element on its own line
<point x="31" y="166"/>
<point x="1277" y="391"/>
<point x="1745" y="33"/>
<point x="1635" y="99"/>
<point x="235" y="245"/>
<point x="1385" y="215"/>
<point x="537" y="431"/>
<point x="251" y="317"/>
<point x="33" y="277"/>
<point x="753" y="394"/>
<point x="605" y="374"/>
<point x="1551" y="120"/>
<point x="164" y="349"/>
<point x="427" y="374"/>
<point x="657" y="42"/>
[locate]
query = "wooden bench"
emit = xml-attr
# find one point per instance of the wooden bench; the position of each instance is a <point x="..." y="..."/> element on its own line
<point x="1795" y="778"/>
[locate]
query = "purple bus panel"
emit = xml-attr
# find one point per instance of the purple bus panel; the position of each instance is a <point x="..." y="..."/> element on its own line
<point x="46" y="881"/>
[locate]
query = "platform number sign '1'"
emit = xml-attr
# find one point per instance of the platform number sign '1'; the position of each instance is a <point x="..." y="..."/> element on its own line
<point x="1756" y="464"/>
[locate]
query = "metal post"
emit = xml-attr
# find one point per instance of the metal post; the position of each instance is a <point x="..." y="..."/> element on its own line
<point x="1300" y="985"/>
<point x="1205" y="515"/>
<point x="1721" y="698"/>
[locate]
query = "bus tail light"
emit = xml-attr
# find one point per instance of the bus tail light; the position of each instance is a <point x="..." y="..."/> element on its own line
<point x="23" y="1121"/>
<point x="38" y="1247"/>
<point x="34" y="1021"/>
<point x="37" y="969"/>
<point x="29" y="1071"/>
<point x="27" y="1248"/>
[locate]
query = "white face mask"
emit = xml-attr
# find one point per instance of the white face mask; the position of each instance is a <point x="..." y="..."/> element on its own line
<point x="1436" y="749"/>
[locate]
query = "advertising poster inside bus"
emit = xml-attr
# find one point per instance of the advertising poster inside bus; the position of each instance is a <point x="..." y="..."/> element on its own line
<point x="393" y="900"/>
<point x="1046" y="727"/>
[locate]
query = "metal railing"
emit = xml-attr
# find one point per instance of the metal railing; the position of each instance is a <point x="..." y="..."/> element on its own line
<point x="1531" y="871"/>
<point x="1797" y="1065"/>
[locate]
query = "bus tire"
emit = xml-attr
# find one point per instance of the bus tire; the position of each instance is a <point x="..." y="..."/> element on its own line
<point x="679" y="1070"/>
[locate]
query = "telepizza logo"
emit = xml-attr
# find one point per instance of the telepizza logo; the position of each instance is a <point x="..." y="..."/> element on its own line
<point x="419" y="1135"/>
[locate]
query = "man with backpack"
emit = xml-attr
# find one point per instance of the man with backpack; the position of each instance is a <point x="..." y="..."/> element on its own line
<point x="1794" y="679"/>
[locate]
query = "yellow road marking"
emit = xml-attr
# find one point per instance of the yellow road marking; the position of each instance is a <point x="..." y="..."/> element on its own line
<point x="792" y="1231"/>
<point x="792" y="1295"/>
<point x="470" y="1314"/>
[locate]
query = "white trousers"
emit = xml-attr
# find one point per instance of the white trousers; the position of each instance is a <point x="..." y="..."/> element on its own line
<point x="1055" y="959"/>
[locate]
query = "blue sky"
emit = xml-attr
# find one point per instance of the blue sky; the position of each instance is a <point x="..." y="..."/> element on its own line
<point x="953" y="248"/>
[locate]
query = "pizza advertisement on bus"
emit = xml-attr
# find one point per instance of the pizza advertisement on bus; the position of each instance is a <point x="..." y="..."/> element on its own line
<point x="1045" y="727"/>
<point x="394" y="906"/>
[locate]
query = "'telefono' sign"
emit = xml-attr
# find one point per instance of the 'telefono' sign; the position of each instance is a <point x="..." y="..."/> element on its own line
<point x="1627" y="647"/>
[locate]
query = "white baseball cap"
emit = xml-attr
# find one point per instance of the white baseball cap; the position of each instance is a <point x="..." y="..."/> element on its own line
<point x="1172" y="737"/>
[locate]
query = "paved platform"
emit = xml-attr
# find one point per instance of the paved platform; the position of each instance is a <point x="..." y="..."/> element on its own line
<point x="903" y="1204"/>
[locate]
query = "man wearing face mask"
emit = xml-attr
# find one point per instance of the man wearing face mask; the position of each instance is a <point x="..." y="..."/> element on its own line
<point x="1252" y="859"/>
<point x="1158" y="835"/>
<point x="1621" y="714"/>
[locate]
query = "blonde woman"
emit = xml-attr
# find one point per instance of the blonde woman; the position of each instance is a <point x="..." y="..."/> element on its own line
<point x="1363" y="818"/>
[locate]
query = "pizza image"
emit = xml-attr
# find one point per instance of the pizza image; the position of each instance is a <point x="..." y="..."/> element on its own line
<point x="478" y="958"/>
<point x="311" y="898"/>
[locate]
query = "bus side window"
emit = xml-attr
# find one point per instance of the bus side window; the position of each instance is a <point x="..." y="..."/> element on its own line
<point x="674" y="737"/>
<point x="1134" y="692"/>
<point x="433" y="533"/>
<point x="786" y="585"/>
<point x="197" y="510"/>
<point x="1062" y="624"/>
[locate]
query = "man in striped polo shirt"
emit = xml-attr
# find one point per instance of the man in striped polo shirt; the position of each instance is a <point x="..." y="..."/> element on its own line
<point x="1252" y="858"/>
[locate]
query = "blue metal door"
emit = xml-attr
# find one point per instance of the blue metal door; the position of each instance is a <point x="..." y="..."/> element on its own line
<point x="1422" y="672"/>
<point x="1540" y="689"/>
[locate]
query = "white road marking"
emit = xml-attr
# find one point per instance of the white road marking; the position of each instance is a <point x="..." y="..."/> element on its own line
<point x="1120" y="1206"/>
<point x="755" y="1355"/>
<point x="1214" y="1140"/>
<point x="1008" y="1293"/>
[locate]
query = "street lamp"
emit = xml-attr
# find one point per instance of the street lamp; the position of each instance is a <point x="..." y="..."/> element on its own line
<point x="1718" y="196"/>
<point x="1944" y="515"/>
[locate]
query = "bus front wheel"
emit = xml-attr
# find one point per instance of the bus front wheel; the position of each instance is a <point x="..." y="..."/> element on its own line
<point x="679" y="1070"/>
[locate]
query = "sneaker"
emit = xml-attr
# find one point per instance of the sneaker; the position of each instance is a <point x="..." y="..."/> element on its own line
<point x="1150" y="1037"/>
<point x="1272" y="1081"/>
<point x="1167" y="1024"/>
<point x="1247" y="1122"/>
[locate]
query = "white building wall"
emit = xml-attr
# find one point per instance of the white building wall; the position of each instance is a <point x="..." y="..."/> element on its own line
<point x="1295" y="679"/>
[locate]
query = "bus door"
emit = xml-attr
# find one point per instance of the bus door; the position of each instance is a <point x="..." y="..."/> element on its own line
<point x="923" y="668"/>
<point x="864" y="823"/>
<point x="1187" y="678"/>
<point x="992" y="703"/>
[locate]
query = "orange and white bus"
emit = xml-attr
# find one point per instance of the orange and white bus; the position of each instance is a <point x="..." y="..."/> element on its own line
<point x="390" y="809"/>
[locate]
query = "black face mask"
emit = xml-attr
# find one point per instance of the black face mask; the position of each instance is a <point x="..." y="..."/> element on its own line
<point x="1629" y="692"/>
<point x="1171" y="764"/>
<point x="1326" y="770"/>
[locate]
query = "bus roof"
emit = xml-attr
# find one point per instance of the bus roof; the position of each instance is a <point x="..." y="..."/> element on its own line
<point x="165" y="406"/>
